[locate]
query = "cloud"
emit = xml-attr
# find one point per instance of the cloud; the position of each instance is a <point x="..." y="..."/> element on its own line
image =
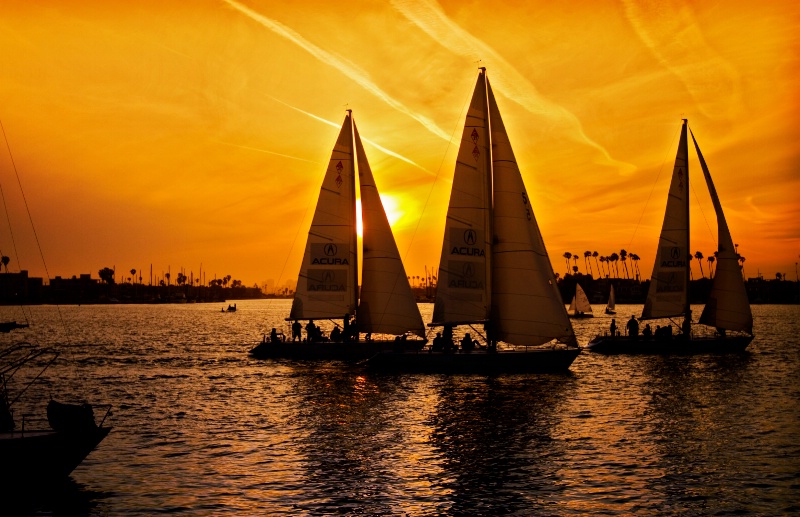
<point x="370" y="142"/>
<point x="430" y="17"/>
<point x="348" y="68"/>
<point x="671" y="32"/>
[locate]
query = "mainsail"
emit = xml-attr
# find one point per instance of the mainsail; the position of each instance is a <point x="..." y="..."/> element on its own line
<point x="387" y="305"/>
<point x="494" y="263"/>
<point x="727" y="307"/>
<point x="667" y="295"/>
<point x="463" y="291"/>
<point x="580" y="302"/>
<point x="326" y="286"/>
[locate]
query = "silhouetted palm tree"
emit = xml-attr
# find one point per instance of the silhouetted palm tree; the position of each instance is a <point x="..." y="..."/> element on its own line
<point x="5" y="260"/>
<point x="133" y="274"/>
<point x="603" y="263"/>
<point x="595" y="255"/>
<point x="587" y="263"/>
<point x="741" y="263"/>
<point x="711" y="259"/>
<point x="567" y="255"/>
<point x="614" y="258"/>
<point x="699" y="256"/>
<point x="575" y="260"/>
<point x="623" y="256"/>
<point x="635" y="264"/>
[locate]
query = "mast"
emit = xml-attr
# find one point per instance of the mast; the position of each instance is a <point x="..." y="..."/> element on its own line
<point x="687" y="309"/>
<point x="354" y="251"/>
<point x="489" y="216"/>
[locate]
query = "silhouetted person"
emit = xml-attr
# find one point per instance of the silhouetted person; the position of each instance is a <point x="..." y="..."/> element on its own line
<point x="336" y="334"/>
<point x="613" y="327"/>
<point x="311" y="331"/>
<point x="647" y="333"/>
<point x="633" y="327"/>
<point x="346" y="333"/>
<point x="438" y="343"/>
<point x="274" y="336"/>
<point x="296" y="327"/>
<point x="467" y="344"/>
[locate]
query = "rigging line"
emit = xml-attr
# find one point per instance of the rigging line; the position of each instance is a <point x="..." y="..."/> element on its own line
<point x="660" y="170"/>
<point x="464" y="105"/>
<point x="30" y="219"/>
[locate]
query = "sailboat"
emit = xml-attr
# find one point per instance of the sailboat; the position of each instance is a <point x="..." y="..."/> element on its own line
<point x="494" y="270"/>
<point x="612" y="302"/>
<point x="327" y="287"/>
<point x="727" y="309"/>
<point x="580" y="306"/>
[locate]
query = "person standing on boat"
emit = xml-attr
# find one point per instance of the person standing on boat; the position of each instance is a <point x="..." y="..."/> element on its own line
<point x="633" y="327"/>
<point x="311" y="331"/>
<point x="613" y="327"/>
<point x="296" y="328"/>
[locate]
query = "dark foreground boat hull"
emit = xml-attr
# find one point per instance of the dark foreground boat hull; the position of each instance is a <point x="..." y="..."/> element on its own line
<point x="331" y="351"/>
<point x="674" y="346"/>
<point x="33" y="458"/>
<point x="538" y="360"/>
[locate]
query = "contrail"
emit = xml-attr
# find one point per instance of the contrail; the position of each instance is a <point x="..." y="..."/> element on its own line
<point x="429" y="16"/>
<point x="267" y="152"/>
<point x="671" y="32"/>
<point x="352" y="70"/>
<point x="370" y="142"/>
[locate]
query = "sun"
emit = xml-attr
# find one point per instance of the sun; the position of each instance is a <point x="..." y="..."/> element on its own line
<point x="390" y="206"/>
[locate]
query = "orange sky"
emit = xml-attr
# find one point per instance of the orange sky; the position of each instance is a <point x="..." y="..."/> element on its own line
<point x="179" y="133"/>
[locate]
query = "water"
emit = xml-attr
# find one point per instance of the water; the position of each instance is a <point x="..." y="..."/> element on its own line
<point x="202" y="429"/>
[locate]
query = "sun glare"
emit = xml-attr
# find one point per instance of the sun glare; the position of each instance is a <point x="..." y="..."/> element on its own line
<point x="390" y="206"/>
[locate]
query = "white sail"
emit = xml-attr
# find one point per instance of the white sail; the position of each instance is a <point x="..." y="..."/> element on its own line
<point x="580" y="302"/>
<point x="463" y="292"/>
<point x="326" y="286"/>
<point x="387" y="305"/>
<point x="667" y="295"/>
<point x="527" y="308"/>
<point x="612" y="303"/>
<point x="727" y="307"/>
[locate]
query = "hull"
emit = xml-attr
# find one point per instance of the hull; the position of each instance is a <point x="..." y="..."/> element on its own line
<point x="32" y="458"/>
<point x="539" y="360"/>
<point x="581" y="315"/>
<point x="673" y="346"/>
<point x="342" y="351"/>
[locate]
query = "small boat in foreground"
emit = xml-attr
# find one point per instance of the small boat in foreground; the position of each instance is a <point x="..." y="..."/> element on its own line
<point x="494" y="270"/>
<point x="34" y="458"/>
<point x="727" y="310"/>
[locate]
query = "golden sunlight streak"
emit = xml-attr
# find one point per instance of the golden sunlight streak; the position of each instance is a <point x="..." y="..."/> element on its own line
<point x="390" y="205"/>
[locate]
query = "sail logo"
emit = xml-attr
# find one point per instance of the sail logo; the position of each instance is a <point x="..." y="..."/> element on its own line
<point x="680" y="178"/>
<point x="339" y="180"/>
<point x="465" y="275"/>
<point x="475" y="136"/>
<point x="329" y="254"/>
<point x="326" y="280"/>
<point x="673" y="257"/>
<point x="470" y="237"/>
<point x="466" y="242"/>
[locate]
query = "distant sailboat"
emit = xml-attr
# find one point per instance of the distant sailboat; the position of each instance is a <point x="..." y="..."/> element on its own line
<point x="494" y="269"/>
<point x="327" y="287"/>
<point x="580" y="306"/>
<point x="727" y="308"/>
<point x="612" y="302"/>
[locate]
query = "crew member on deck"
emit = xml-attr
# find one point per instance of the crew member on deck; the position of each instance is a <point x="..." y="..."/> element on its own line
<point x="633" y="327"/>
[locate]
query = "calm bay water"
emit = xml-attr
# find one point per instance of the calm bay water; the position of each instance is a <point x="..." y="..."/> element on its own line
<point x="202" y="429"/>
